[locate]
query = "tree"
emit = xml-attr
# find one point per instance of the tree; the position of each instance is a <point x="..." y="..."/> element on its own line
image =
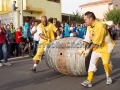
<point x="76" y="17"/>
<point x="113" y="15"/>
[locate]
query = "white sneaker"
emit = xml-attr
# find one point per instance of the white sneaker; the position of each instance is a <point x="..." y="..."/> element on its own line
<point x="8" y="64"/>
<point x="86" y="83"/>
<point x="1" y="64"/>
<point x="109" y="81"/>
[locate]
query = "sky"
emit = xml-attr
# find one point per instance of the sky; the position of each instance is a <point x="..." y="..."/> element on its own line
<point x="70" y="6"/>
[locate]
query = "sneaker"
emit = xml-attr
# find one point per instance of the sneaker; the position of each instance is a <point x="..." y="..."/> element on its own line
<point x="109" y="81"/>
<point x="8" y="64"/>
<point x="86" y="83"/>
<point x="1" y="64"/>
<point x="33" y="70"/>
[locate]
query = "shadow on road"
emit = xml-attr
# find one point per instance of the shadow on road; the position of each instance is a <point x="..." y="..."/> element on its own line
<point x="37" y="79"/>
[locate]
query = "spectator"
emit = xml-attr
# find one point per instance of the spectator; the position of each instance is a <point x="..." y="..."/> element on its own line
<point x="81" y="30"/>
<point x="10" y="41"/>
<point x="27" y="36"/>
<point x="62" y="30"/>
<point x="3" y="47"/>
<point x="113" y="32"/>
<point x="14" y="6"/>
<point x="66" y="30"/>
<point x="12" y="30"/>
<point x="36" y="37"/>
<point x="19" y="40"/>
<point x="71" y="30"/>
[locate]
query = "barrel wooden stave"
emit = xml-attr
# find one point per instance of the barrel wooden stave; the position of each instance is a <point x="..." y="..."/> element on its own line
<point x="65" y="59"/>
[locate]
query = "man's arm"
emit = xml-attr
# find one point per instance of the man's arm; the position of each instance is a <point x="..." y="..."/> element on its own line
<point x="34" y="30"/>
<point x="41" y="34"/>
<point x="43" y="37"/>
<point x="85" y="44"/>
<point x="26" y="28"/>
<point x="87" y="39"/>
<point x="58" y="33"/>
<point x="7" y="38"/>
<point x="91" y="47"/>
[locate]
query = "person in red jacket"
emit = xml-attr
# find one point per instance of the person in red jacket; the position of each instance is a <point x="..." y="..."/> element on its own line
<point x="3" y="47"/>
<point x="19" y="39"/>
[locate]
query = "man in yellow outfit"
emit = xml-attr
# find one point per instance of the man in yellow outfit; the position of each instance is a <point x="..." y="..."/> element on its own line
<point x="46" y="32"/>
<point x="102" y="46"/>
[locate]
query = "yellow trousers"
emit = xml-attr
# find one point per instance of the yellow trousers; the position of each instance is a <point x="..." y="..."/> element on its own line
<point x="40" y="51"/>
<point x="94" y="61"/>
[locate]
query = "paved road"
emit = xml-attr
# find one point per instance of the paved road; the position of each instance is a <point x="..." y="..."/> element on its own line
<point x="19" y="77"/>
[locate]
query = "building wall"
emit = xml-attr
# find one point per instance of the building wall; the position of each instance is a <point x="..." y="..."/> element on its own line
<point x="116" y="4"/>
<point x="48" y="8"/>
<point x="37" y="15"/>
<point x="37" y="7"/>
<point x="5" y="5"/>
<point x="99" y="10"/>
<point x="13" y="17"/>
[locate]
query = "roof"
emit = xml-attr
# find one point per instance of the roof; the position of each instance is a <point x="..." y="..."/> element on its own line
<point x="66" y="14"/>
<point x="94" y="3"/>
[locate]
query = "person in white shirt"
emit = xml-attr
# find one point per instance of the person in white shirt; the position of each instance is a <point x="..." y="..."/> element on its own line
<point x="36" y="37"/>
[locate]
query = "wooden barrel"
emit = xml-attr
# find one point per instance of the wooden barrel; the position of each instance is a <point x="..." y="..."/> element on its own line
<point x="61" y="56"/>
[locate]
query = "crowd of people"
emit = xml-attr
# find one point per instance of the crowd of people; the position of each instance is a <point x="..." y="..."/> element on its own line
<point x="19" y="41"/>
<point x="114" y="31"/>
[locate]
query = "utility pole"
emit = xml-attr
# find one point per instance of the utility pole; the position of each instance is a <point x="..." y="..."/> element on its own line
<point x="21" y="13"/>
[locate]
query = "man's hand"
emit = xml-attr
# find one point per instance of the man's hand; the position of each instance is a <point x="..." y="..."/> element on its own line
<point x="9" y="43"/>
<point x="49" y="40"/>
<point x="58" y="37"/>
<point x="81" y="51"/>
<point x="0" y="31"/>
<point x="85" y="54"/>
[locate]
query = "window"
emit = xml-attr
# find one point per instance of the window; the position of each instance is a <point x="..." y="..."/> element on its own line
<point x="57" y="1"/>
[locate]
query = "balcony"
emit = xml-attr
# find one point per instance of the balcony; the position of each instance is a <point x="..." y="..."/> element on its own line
<point x="57" y="1"/>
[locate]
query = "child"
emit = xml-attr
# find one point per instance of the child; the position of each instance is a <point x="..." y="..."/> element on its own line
<point x="19" y="39"/>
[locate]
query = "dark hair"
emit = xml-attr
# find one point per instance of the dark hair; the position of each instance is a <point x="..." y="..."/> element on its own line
<point x="90" y="15"/>
<point x="28" y="20"/>
<point x="14" y="1"/>
<point x="36" y="21"/>
<point x="44" y="17"/>
<point x="50" y="20"/>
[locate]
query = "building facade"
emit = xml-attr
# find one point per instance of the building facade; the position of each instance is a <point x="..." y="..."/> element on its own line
<point x="33" y="9"/>
<point x="99" y="7"/>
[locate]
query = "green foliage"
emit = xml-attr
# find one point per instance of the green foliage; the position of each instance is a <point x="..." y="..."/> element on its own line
<point x="113" y="15"/>
<point x="76" y="17"/>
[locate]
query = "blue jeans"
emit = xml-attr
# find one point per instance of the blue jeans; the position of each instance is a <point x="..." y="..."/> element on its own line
<point x="35" y="43"/>
<point x="3" y="52"/>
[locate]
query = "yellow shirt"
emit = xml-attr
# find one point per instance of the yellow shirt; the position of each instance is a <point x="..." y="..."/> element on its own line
<point x="48" y="31"/>
<point x="100" y="36"/>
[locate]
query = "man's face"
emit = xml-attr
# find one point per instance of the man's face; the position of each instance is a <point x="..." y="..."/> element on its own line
<point x="33" y="23"/>
<point x="36" y="23"/>
<point x="8" y="27"/>
<point x="14" y="2"/>
<point x="88" y="20"/>
<point x="81" y="25"/>
<point x="11" y="25"/>
<point x="44" y="21"/>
